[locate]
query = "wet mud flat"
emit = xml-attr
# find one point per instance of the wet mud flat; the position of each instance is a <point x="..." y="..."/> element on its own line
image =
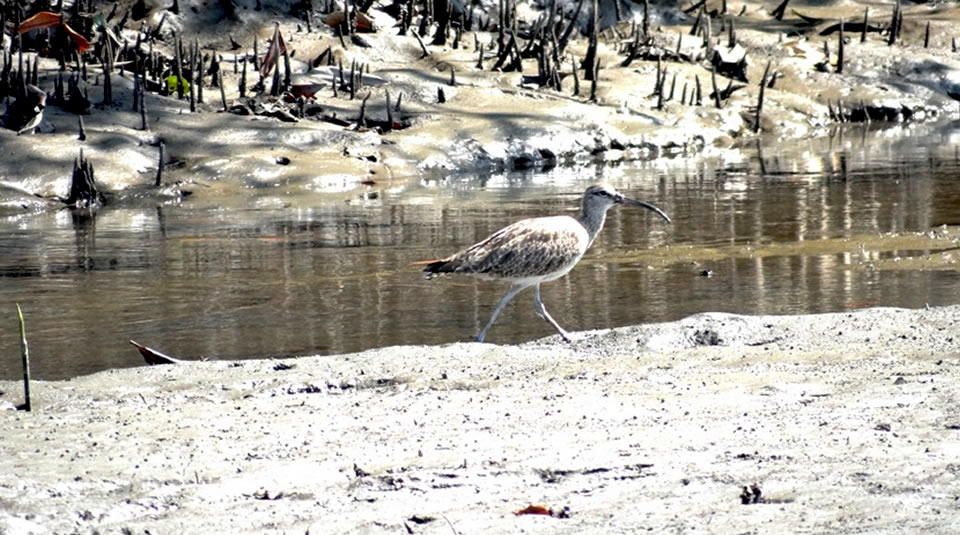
<point x="410" y="93"/>
<point x="718" y="423"/>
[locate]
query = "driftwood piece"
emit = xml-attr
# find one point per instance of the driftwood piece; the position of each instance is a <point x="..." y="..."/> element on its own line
<point x="154" y="357"/>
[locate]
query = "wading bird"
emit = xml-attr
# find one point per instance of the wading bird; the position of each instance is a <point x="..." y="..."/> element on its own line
<point x="535" y="250"/>
<point x="26" y="113"/>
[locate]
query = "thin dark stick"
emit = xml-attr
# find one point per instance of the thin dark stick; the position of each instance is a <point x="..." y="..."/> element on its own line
<point x="179" y="71"/>
<point x="143" y="113"/>
<point x="695" y="29"/>
<point x="423" y="47"/>
<point x="840" y="49"/>
<point x="708" y="38"/>
<point x="243" y="78"/>
<point x="576" y="77"/>
<point x="590" y="60"/>
<point x="362" y="121"/>
<point x="199" y="74"/>
<point x="500" y="24"/>
<point x="389" y="112"/>
<point x="107" y="70"/>
<point x="646" y="19"/>
<point x="658" y="81"/>
<point x="287" y="71"/>
<point x="193" y="79"/>
<point x="160" y="167"/>
<point x="659" y="89"/>
<point x="763" y="86"/>
<point x="565" y="36"/>
<point x="136" y="92"/>
<point x="593" y="80"/>
<point x="353" y="78"/>
<point x="863" y="32"/>
<point x="223" y="94"/>
<point x="894" y="30"/>
<point x="716" y="92"/>
<point x="25" y="358"/>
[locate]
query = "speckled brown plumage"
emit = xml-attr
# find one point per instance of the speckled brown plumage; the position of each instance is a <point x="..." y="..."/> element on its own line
<point x="536" y="250"/>
<point x="530" y="248"/>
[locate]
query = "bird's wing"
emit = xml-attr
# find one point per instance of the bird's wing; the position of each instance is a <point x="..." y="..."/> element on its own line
<point x="528" y="248"/>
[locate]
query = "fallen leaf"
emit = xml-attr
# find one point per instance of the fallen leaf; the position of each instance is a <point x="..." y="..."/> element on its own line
<point x="534" y="510"/>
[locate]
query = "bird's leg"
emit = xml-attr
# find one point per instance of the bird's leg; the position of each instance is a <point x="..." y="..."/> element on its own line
<point x="514" y="290"/>
<point x="542" y="312"/>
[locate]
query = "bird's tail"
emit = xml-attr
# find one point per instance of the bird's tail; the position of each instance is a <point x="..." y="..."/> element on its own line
<point x="431" y="268"/>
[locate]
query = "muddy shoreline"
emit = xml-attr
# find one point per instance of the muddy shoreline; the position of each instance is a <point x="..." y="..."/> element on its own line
<point x="489" y="120"/>
<point x="834" y="423"/>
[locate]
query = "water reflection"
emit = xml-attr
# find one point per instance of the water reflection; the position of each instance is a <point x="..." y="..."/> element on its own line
<point x="200" y="280"/>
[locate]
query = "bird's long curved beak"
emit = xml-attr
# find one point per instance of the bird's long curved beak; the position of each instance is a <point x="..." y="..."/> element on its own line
<point x="648" y="206"/>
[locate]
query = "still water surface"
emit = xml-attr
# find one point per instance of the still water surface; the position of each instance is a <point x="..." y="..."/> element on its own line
<point x="196" y="280"/>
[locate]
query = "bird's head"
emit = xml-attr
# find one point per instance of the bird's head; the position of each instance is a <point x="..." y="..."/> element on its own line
<point x="37" y="96"/>
<point x="602" y="197"/>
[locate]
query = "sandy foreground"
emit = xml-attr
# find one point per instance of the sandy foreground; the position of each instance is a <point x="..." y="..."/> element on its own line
<point x="843" y="423"/>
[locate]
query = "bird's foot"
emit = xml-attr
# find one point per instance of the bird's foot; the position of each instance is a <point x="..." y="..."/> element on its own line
<point x="565" y="336"/>
<point x="479" y="338"/>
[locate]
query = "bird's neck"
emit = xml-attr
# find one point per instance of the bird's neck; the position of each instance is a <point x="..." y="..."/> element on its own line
<point x="592" y="220"/>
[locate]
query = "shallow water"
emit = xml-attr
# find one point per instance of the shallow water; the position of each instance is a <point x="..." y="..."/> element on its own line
<point x="779" y="231"/>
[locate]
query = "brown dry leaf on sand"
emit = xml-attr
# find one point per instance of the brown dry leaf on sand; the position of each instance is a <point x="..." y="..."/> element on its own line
<point x="534" y="510"/>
